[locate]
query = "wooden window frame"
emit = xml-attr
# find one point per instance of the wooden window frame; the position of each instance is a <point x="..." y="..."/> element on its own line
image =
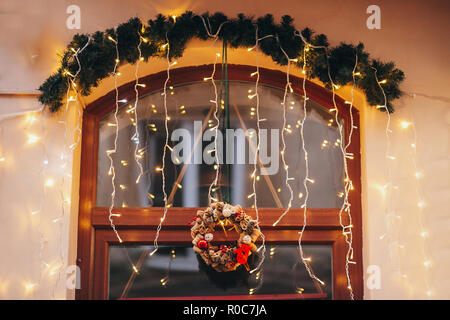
<point x="137" y="225"/>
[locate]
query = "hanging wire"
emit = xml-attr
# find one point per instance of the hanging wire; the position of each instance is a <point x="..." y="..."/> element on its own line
<point x="166" y="145"/>
<point x="258" y="146"/>
<point x="112" y="170"/>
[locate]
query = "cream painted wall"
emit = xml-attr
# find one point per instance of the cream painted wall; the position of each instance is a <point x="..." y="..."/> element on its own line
<point x="33" y="32"/>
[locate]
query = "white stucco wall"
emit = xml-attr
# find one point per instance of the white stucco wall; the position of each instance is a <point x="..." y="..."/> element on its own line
<point x="412" y="32"/>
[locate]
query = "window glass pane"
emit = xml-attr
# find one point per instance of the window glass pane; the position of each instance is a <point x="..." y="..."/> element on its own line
<point x="175" y="271"/>
<point x="189" y="108"/>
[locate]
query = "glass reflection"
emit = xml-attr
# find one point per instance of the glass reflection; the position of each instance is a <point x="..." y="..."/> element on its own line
<point x="187" y="184"/>
<point x="175" y="271"/>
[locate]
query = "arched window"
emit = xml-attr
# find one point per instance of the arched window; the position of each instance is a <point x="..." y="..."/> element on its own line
<point x="189" y="173"/>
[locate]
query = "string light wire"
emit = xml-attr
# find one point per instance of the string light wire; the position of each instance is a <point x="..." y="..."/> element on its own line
<point x="169" y="65"/>
<point x="65" y="201"/>
<point x="287" y="87"/>
<point x="215" y="127"/>
<point x="389" y="187"/>
<point x="390" y="215"/>
<point x="112" y="170"/>
<point x="258" y="146"/>
<point x="77" y="131"/>
<point x="166" y="145"/>
<point x="135" y="137"/>
<point x="42" y="239"/>
<point x="215" y="37"/>
<point x="346" y="228"/>
<point x="306" y="179"/>
<point x="346" y="206"/>
<point x="30" y="286"/>
<point x="423" y="232"/>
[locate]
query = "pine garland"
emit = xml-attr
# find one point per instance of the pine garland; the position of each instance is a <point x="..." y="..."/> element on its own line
<point x="98" y="58"/>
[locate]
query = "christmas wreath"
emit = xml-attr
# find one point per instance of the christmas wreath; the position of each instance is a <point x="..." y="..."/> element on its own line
<point x="224" y="258"/>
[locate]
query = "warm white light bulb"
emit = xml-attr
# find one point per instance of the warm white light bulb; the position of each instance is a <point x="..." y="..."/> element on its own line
<point x="405" y="124"/>
<point x="29" y="286"/>
<point x="49" y="182"/>
<point x="424" y="234"/>
<point x="32" y="138"/>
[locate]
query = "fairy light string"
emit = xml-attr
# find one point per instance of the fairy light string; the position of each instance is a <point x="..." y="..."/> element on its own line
<point x="135" y="137"/>
<point x="65" y="201"/>
<point x="421" y="205"/>
<point x="389" y="187"/>
<point x="166" y="46"/>
<point x="256" y="153"/>
<point x="77" y="131"/>
<point x="391" y="217"/>
<point x="306" y="179"/>
<point x="215" y="128"/>
<point x="166" y="146"/>
<point x="29" y="285"/>
<point x="348" y="186"/>
<point x="215" y="102"/>
<point x="46" y="183"/>
<point x="110" y="152"/>
<point x="60" y="218"/>
<point x="287" y="87"/>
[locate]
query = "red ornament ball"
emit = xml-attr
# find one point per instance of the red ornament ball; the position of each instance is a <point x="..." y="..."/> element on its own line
<point x="239" y="212"/>
<point x="202" y="244"/>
